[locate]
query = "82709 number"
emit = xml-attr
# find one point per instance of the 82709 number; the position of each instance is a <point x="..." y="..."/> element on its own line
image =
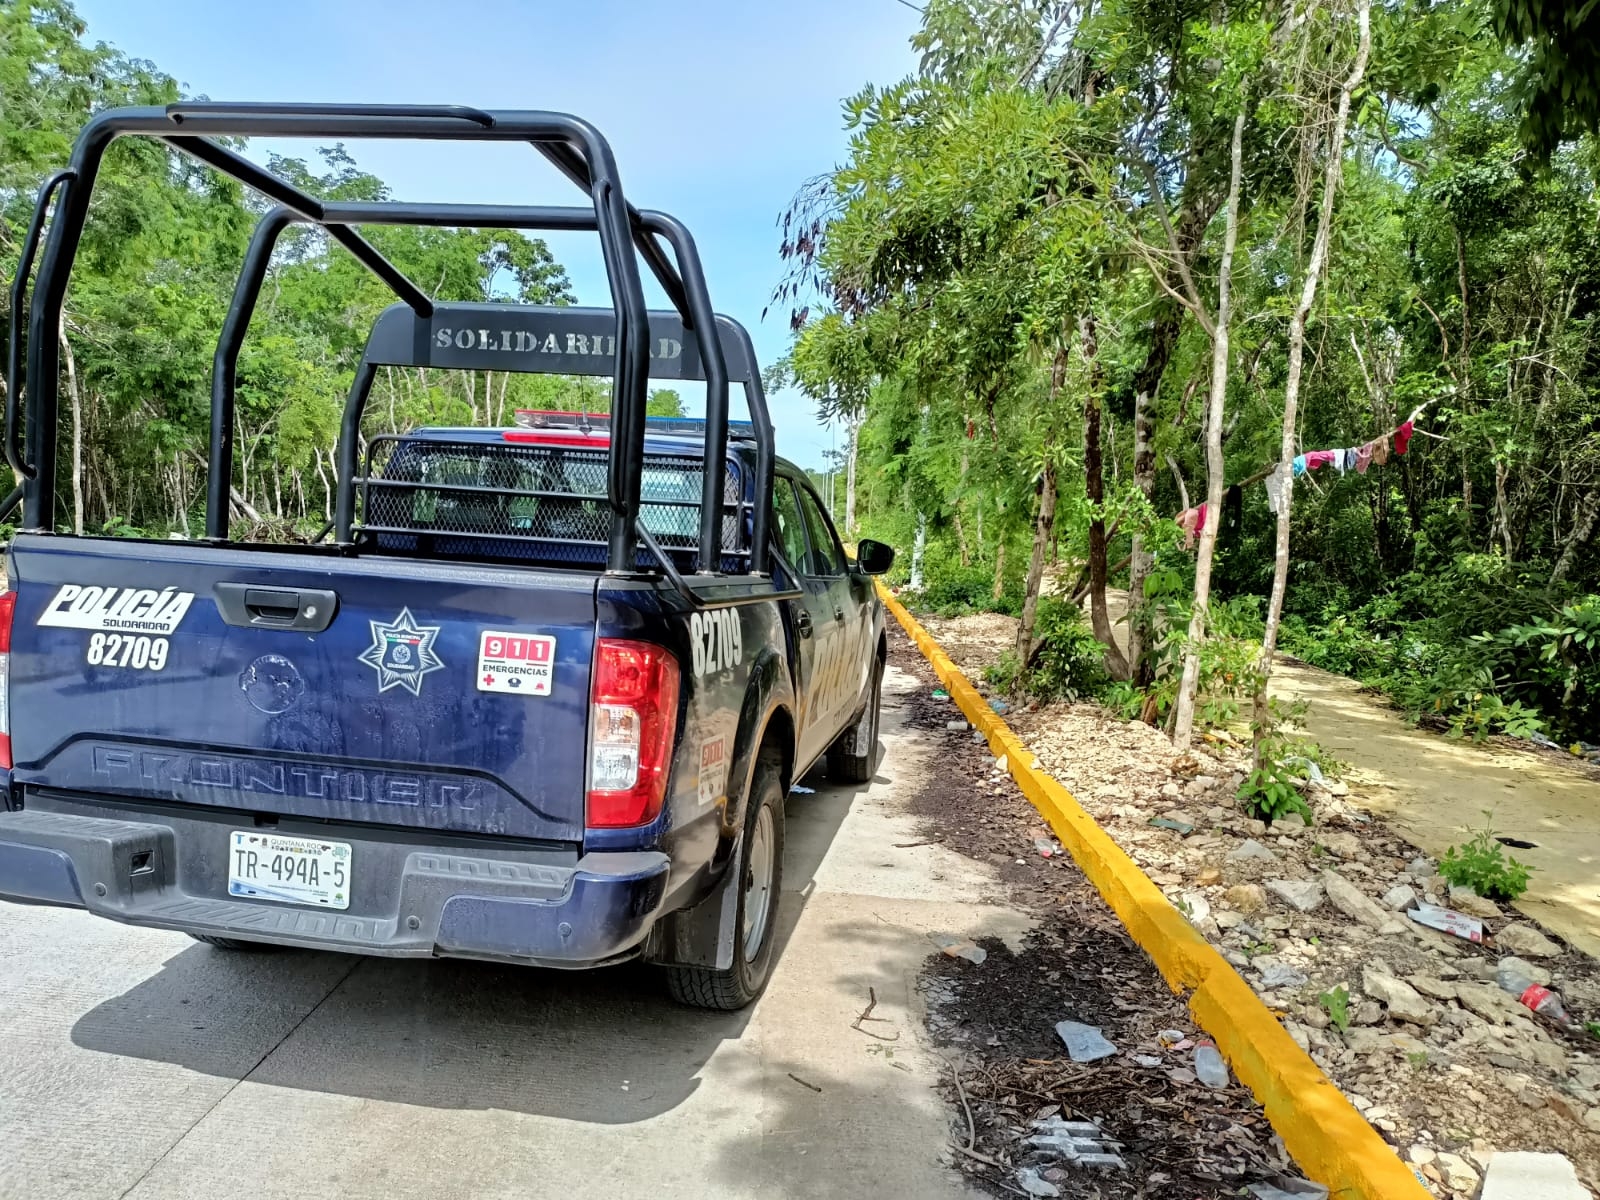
<point x="136" y="651"/>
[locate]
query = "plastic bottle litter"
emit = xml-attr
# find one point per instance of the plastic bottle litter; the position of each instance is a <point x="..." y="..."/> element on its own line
<point x="1045" y="847"/>
<point x="1533" y="996"/>
<point x="999" y="706"/>
<point x="1085" y="1043"/>
<point x="1169" y="1038"/>
<point x="955" y="725"/>
<point x="940" y="694"/>
<point x="1209" y="1067"/>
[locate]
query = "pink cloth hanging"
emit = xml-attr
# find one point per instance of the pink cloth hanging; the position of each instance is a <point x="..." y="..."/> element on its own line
<point x="1192" y="521"/>
<point x="1320" y="458"/>
<point x="1364" y="458"/>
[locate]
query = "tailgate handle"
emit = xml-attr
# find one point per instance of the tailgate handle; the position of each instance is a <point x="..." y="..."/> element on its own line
<point x="300" y="610"/>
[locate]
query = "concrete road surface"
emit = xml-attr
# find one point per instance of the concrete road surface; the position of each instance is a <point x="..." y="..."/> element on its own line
<point x="140" y="1064"/>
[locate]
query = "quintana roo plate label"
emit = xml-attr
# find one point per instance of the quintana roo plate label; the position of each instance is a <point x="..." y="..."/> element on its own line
<point x="716" y="640"/>
<point x="519" y="663"/>
<point x="116" y="609"/>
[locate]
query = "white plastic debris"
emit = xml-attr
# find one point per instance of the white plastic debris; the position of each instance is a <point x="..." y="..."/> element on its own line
<point x="960" y="948"/>
<point x="1288" y="1189"/>
<point x="1085" y="1043"/>
<point x="1079" y="1142"/>
<point x="1035" y="1184"/>
<point x="1447" y="920"/>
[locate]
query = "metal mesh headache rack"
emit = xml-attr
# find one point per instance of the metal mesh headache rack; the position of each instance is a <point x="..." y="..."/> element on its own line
<point x="624" y="341"/>
<point x="533" y="500"/>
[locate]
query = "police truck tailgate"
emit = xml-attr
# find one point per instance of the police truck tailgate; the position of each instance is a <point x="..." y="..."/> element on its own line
<point x="423" y="695"/>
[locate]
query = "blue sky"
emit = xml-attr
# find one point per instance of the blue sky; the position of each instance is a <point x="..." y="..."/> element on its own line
<point x="717" y="109"/>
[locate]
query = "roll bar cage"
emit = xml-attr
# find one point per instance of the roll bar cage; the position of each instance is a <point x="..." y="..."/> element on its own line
<point x="417" y="331"/>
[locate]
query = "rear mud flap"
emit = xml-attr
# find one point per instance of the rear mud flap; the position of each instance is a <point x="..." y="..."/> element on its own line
<point x="705" y="935"/>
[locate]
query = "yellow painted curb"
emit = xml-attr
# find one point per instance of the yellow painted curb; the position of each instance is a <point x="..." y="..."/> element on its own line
<point x="1330" y="1140"/>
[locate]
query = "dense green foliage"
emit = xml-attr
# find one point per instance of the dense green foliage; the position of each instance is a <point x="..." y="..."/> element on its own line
<point x="1012" y="278"/>
<point x="159" y="259"/>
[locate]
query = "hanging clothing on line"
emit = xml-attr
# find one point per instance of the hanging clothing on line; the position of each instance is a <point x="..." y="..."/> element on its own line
<point x="1319" y="458"/>
<point x="1279" y="484"/>
<point x="1192" y="521"/>
<point x="1351" y="458"/>
<point x="1364" y="458"/>
<point x="1299" y="466"/>
<point x="1402" y="436"/>
<point x="1380" y="451"/>
<point x="1232" y="509"/>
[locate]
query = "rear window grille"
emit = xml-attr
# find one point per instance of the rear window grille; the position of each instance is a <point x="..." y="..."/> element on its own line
<point x="482" y="492"/>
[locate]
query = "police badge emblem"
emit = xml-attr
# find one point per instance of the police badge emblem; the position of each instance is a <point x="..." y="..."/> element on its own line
<point x="402" y="652"/>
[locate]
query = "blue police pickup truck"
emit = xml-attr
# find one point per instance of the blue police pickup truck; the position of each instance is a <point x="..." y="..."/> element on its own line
<point x="536" y="694"/>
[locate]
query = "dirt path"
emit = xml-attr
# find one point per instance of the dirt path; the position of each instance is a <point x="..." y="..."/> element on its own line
<point x="1433" y="786"/>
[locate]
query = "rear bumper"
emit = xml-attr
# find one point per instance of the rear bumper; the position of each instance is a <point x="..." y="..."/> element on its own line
<point x="168" y="871"/>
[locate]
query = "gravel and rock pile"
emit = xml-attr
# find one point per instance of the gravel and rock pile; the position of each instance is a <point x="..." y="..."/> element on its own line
<point x="1442" y="1060"/>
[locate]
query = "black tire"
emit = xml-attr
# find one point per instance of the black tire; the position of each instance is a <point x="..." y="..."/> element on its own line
<point x="850" y="758"/>
<point x="227" y="943"/>
<point x="732" y="989"/>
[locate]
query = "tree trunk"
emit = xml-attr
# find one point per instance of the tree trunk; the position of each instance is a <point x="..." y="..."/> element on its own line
<point x="1333" y="173"/>
<point x="1043" y="529"/>
<point x="1588" y="512"/>
<point x="1095" y="491"/>
<point x="1145" y="383"/>
<point x="1502" y="509"/>
<point x="850" y="479"/>
<point x="76" y="400"/>
<point x="916" y="552"/>
<point x="1183" y="721"/>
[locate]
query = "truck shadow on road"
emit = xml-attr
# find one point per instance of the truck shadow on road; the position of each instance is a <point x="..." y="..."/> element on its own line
<point x="603" y="1046"/>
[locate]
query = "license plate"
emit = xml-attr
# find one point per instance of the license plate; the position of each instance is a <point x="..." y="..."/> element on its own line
<point x="290" y="870"/>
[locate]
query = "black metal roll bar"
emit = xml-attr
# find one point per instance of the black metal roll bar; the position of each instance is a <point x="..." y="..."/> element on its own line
<point x="711" y="332"/>
<point x="574" y="146"/>
<point x="19" y="297"/>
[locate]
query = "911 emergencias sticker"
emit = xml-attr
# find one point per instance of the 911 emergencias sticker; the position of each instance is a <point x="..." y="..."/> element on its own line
<point x="521" y="663"/>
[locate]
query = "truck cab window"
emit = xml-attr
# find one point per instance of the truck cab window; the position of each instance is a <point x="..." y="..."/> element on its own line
<point x="790" y="528"/>
<point x="827" y="556"/>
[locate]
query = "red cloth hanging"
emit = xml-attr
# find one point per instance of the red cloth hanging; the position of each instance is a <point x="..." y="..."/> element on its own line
<point x="1402" y="437"/>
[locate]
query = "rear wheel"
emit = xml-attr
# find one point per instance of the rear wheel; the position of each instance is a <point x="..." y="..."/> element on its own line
<point x="760" y="885"/>
<point x="850" y="759"/>
<point x="227" y="943"/>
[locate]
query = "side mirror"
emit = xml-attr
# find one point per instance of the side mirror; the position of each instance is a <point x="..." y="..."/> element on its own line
<point x="873" y="558"/>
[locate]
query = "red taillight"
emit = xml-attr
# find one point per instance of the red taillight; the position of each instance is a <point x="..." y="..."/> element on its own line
<point x="633" y="714"/>
<point x="8" y="608"/>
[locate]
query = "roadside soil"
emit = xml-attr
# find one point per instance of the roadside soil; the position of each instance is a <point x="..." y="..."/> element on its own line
<point x="1432" y="787"/>
<point x="995" y="1019"/>
<point x="1446" y="1065"/>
